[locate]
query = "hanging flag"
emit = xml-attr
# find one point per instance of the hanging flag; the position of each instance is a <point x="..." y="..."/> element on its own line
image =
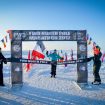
<point x="28" y="64"/>
<point x="103" y="56"/>
<point x="87" y="37"/>
<point x="3" y="43"/>
<point x="72" y="55"/>
<point x="94" y="44"/>
<point x="24" y="66"/>
<point x="61" y="54"/>
<point x="61" y="60"/>
<point x="37" y="51"/>
<point x="90" y="41"/>
<point x="65" y="59"/>
<point x="10" y="33"/>
<point x="58" y="55"/>
<point x="6" y="38"/>
<point x="42" y="46"/>
<point x="37" y="54"/>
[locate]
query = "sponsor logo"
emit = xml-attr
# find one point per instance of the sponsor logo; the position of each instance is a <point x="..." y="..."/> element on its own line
<point x="82" y="68"/>
<point x="82" y="47"/>
<point x="16" y="48"/>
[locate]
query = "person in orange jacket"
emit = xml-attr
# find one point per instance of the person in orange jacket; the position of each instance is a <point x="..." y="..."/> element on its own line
<point x="96" y="65"/>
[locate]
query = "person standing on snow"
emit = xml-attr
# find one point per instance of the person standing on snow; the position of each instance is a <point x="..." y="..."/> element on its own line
<point x="54" y="57"/>
<point x="2" y="59"/>
<point x="96" y="65"/>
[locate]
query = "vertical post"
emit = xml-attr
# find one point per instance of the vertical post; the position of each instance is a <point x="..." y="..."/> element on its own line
<point x="16" y="52"/>
<point x="82" y="54"/>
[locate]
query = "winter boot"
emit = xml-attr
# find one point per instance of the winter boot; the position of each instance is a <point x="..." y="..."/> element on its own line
<point x="96" y="83"/>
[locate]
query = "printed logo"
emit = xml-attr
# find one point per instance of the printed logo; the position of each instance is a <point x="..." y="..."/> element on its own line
<point x="82" y="68"/>
<point x="82" y="47"/>
<point x="17" y="69"/>
<point x="16" y="48"/>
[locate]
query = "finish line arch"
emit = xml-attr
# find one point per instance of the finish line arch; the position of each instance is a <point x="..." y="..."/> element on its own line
<point x="18" y="36"/>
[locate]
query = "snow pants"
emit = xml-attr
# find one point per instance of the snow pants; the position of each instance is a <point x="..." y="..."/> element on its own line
<point x="96" y="68"/>
<point x="1" y="76"/>
<point x="53" y="68"/>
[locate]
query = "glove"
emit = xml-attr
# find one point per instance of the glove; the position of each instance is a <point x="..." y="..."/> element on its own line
<point x="5" y="61"/>
<point x="62" y="58"/>
<point x="91" y="58"/>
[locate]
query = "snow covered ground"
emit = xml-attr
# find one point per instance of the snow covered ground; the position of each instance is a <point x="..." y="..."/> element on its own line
<point x="39" y="89"/>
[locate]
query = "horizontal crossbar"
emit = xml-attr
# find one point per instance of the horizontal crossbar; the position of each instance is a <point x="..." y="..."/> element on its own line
<point x="22" y="60"/>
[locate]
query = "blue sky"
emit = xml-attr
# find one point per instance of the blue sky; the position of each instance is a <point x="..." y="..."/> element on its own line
<point x="54" y="15"/>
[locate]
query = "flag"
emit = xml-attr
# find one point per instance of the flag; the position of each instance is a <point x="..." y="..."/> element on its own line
<point x="103" y="56"/>
<point x="90" y="41"/>
<point x="94" y="44"/>
<point x="61" y="54"/>
<point x="28" y="64"/>
<point x="37" y="51"/>
<point x="72" y="54"/>
<point x="37" y="54"/>
<point x="65" y="59"/>
<point x="87" y="37"/>
<point x="10" y="33"/>
<point x="40" y="43"/>
<point x="58" y="55"/>
<point x="61" y="60"/>
<point x="3" y="43"/>
<point x="6" y="38"/>
<point x="24" y="66"/>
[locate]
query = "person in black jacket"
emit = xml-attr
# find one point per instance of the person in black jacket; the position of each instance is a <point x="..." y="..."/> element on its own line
<point x="2" y="59"/>
<point x="96" y="65"/>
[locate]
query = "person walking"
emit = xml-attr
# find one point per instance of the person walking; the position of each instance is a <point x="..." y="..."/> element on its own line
<point x="2" y="59"/>
<point x="54" y="57"/>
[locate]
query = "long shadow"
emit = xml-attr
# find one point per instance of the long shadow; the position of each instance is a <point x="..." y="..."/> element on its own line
<point x="45" y="73"/>
<point x="48" y="97"/>
<point x="5" y="101"/>
<point x="67" y="79"/>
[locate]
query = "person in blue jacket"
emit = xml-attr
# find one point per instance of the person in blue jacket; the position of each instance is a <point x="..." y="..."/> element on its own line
<point x="54" y="57"/>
